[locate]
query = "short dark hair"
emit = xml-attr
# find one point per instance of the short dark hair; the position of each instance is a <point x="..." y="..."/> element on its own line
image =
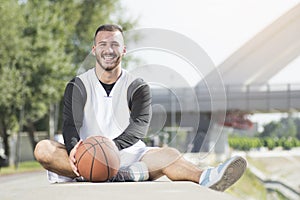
<point x="108" y="27"/>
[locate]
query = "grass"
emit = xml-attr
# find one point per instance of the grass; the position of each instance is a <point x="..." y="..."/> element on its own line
<point x="27" y="166"/>
<point x="281" y="196"/>
<point x="258" y="164"/>
<point x="248" y="187"/>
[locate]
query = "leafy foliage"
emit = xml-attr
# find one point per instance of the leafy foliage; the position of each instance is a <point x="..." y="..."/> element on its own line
<point x="245" y="143"/>
<point x="42" y="44"/>
<point x="11" y="84"/>
<point x="282" y="133"/>
<point x="286" y="127"/>
<point x="48" y="64"/>
<point x="248" y="143"/>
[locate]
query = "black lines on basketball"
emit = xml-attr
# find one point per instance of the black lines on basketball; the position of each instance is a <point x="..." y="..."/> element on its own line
<point x="114" y="150"/>
<point x="79" y="159"/>
<point x="97" y="159"/>
<point x="106" y="159"/>
<point x="92" y="164"/>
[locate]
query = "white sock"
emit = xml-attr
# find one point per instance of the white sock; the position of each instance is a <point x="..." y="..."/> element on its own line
<point x="203" y="174"/>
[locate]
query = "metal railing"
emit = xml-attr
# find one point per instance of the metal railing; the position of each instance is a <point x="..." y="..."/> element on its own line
<point x="248" y="98"/>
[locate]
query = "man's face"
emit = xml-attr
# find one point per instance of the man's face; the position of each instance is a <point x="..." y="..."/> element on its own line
<point x="109" y="49"/>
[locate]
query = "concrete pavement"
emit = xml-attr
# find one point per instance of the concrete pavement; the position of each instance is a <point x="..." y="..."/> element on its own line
<point x="34" y="185"/>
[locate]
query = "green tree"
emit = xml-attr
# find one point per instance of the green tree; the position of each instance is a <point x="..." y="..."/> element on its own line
<point x="60" y="35"/>
<point x="42" y="45"/>
<point x="289" y="127"/>
<point x="286" y="127"/>
<point x="49" y="27"/>
<point x="92" y="14"/>
<point x="270" y="128"/>
<point x="11" y="84"/>
<point x="297" y="124"/>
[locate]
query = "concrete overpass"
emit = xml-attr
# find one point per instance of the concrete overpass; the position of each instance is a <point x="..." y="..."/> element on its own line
<point x="245" y="74"/>
<point x="265" y="54"/>
<point x="246" y="98"/>
<point x="197" y="112"/>
<point x="243" y="86"/>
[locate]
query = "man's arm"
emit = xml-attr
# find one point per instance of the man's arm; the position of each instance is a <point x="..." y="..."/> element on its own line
<point x="139" y="102"/>
<point x="74" y="101"/>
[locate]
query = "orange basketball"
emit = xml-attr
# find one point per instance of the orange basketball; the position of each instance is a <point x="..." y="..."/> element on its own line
<point x="97" y="159"/>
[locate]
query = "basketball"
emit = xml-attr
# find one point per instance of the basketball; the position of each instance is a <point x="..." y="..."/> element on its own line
<point x="97" y="159"/>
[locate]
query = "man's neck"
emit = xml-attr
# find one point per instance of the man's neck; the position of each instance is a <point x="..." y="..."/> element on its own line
<point x="108" y="77"/>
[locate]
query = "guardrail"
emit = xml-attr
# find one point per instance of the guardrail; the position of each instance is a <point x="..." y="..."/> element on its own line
<point x="248" y="98"/>
<point x="274" y="185"/>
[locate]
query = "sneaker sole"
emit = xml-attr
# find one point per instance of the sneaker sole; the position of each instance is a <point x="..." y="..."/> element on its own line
<point x="139" y="172"/>
<point x="231" y="174"/>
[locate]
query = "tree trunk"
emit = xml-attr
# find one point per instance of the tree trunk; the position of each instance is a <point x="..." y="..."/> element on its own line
<point x="5" y="136"/>
<point x="53" y="119"/>
<point x="31" y="130"/>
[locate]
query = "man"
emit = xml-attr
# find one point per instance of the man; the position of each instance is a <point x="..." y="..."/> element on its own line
<point x="108" y="101"/>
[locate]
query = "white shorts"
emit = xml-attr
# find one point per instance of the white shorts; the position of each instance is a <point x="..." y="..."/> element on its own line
<point x="128" y="156"/>
<point x="133" y="154"/>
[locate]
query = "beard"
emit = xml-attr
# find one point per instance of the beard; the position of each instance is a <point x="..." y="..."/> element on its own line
<point x="111" y="64"/>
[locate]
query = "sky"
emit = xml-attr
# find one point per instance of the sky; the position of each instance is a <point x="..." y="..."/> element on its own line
<point x="219" y="27"/>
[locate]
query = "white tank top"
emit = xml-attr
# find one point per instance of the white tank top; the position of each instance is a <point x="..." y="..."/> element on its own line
<point x="105" y="115"/>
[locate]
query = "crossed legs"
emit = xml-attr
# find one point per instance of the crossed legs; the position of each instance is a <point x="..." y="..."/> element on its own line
<point x="170" y="162"/>
<point x="53" y="156"/>
<point x="161" y="161"/>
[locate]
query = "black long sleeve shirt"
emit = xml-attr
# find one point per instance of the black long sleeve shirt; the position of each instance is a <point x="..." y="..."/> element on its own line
<point x="139" y="104"/>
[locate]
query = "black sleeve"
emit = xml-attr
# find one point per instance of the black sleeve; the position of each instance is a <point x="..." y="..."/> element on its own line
<point x="74" y="101"/>
<point x="139" y="102"/>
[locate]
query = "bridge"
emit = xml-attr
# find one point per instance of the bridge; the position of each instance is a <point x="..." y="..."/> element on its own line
<point x="245" y="98"/>
<point x="243" y="87"/>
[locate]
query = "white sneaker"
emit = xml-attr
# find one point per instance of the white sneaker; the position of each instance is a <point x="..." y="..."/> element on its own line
<point x="55" y="178"/>
<point x="224" y="175"/>
<point x="136" y="172"/>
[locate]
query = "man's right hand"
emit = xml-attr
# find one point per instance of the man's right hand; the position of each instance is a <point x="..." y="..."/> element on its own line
<point x="72" y="159"/>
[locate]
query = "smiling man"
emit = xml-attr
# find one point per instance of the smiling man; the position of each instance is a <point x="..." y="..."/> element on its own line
<point x="108" y="101"/>
<point x="109" y="49"/>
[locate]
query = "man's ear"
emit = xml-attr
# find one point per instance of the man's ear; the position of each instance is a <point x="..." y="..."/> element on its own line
<point x="93" y="50"/>
<point x="124" y="50"/>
